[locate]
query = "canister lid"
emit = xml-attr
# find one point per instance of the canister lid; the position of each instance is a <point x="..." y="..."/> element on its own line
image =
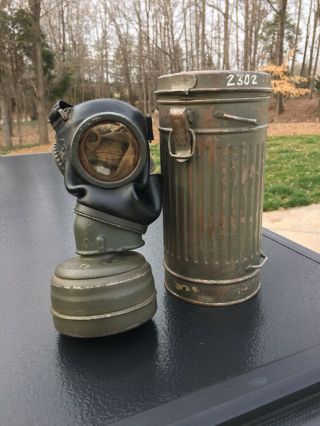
<point x="214" y="81"/>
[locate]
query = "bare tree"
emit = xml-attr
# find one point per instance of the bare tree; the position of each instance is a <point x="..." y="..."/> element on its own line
<point x="296" y="37"/>
<point x="246" y="46"/>
<point x="306" y="40"/>
<point x="203" y="34"/>
<point x="39" y="86"/>
<point x="5" y="116"/>
<point x="226" y="63"/>
<point x="315" y="25"/>
<point x="281" y="11"/>
<point x="5" y="85"/>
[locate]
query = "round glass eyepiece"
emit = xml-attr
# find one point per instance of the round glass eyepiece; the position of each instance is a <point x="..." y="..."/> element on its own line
<point x="109" y="151"/>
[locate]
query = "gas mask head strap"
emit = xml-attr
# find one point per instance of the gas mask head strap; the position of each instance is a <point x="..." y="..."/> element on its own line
<point x="149" y="128"/>
<point x="59" y="110"/>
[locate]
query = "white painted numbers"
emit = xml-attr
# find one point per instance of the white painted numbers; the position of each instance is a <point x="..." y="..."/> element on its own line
<point x="241" y="80"/>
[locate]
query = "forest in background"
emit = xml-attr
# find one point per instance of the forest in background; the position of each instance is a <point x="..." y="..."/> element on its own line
<point x="101" y="48"/>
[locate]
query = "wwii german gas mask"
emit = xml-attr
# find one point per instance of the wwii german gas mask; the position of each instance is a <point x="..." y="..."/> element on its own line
<point x="102" y="149"/>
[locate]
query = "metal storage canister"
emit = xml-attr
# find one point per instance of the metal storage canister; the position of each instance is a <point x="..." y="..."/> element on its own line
<point x="213" y="128"/>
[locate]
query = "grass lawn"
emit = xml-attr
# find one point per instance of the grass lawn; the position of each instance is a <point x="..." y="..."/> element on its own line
<point x="292" y="176"/>
<point x="292" y="172"/>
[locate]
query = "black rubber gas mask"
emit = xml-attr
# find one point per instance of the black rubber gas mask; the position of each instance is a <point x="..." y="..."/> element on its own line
<point x="102" y="149"/>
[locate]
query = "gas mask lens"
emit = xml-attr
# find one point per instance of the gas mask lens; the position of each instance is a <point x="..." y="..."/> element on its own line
<point x="109" y="151"/>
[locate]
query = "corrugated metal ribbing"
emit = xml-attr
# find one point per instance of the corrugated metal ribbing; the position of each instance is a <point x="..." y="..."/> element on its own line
<point x="215" y="206"/>
<point x="212" y="206"/>
<point x="206" y="196"/>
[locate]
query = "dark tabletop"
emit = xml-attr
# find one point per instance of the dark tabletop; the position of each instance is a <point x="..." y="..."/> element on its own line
<point x="186" y="361"/>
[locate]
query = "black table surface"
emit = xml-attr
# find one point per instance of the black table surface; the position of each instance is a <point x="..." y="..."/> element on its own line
<point x="189" y="365"/>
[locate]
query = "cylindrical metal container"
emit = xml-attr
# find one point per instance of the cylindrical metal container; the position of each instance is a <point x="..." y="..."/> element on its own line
<point x="213" y="127"/>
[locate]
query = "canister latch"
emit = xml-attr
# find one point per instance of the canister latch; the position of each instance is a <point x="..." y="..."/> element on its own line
<point x="182" y="139"/>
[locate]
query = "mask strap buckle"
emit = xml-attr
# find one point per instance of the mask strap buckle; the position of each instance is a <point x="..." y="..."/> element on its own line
<point x="60" y="110"/>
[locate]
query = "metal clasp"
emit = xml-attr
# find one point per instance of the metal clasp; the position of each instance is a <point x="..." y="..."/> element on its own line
<point x="181" y="138"/>
<point x="252" y="267"/>
<point x="64" y="113"/>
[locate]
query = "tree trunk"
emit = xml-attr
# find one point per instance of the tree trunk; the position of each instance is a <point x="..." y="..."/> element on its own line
<point x="306" y="41"/>
<point x="149" y="75"/>
<point x="226" y="63"/>
<point x="246" y="36"/>
<point x="315" y="67"/>
<point x="35" y="6"/>
<point x="258" y="18"/>
<point x="10" y="116"/>
<point x="315" y="22"/>
<point x="19" y="128"/>
<point x="191" y="42"/>
<point x="185" y="36"/>
<point x="219" y="44"/>
<point x="196" y="33"/>
<point x="295" y="46"/>
<point x="237" y="36"/>
<point x="203" y="34"/>
<point x="141" y="60"/>
<point x="5" y="115"/>
<point x="281" y="26"/>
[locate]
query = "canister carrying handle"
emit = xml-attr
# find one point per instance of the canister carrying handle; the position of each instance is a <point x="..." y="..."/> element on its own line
<point x="220" y="114"/>
<point x="264" y="259"/>
<point x="183" y="156"/>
